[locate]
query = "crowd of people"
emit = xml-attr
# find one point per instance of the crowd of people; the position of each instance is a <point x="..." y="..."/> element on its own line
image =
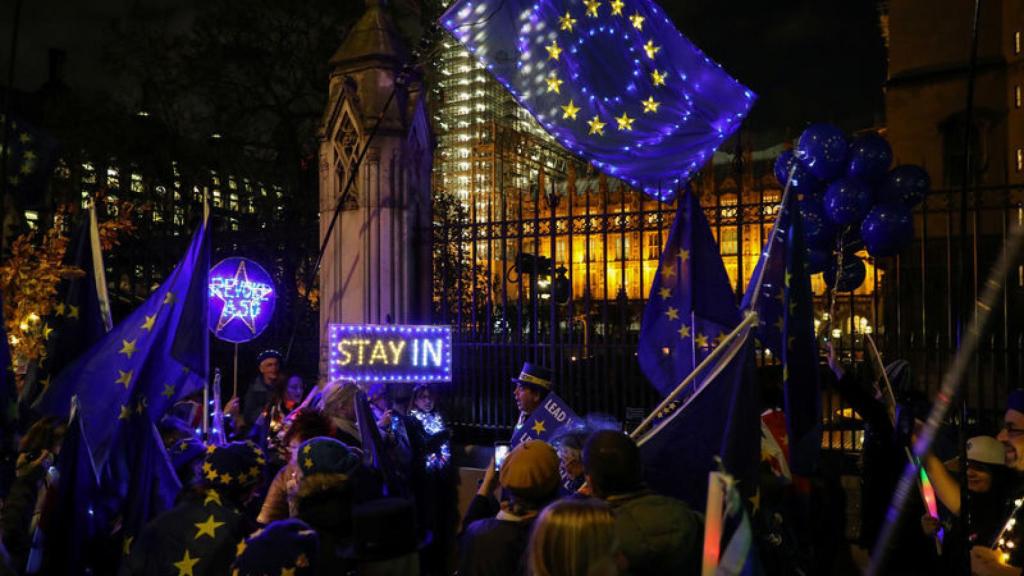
<point x="361" y="479"/>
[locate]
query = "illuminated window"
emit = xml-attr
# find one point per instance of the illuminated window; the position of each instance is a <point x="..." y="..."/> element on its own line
<point x="112" y="178"/>
<point x="233" y="201"/>
<point x="653" y="246"/>
<point x="157" y="217"/>
<point x="729" y="203"/>
<point x="1016" y="42"/>
<point x="136" y="185"/>
<point x="88" y="173"/>
<point x="727" y="240"/>
<point x="216" y="198"/>
<point x="1016" y="96"/>
<point x="32" y="219"/>
<point x="1020" y="159"/>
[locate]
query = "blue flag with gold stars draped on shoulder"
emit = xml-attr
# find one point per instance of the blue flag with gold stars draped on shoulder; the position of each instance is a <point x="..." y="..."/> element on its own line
<point x="613" y="81"/>
<point x="691" y="305"/>
<point x="780" y="293"/>
<point x="155" y="356"/>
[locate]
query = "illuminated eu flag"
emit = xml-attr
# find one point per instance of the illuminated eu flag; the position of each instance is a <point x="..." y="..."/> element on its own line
<point x="613" y="81"/>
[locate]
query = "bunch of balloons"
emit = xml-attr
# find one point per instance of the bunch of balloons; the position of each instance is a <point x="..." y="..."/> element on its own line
<point x="850" y="200"/>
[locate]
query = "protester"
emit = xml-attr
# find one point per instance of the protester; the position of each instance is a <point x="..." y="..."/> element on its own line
<point x="328" y="471"/>
<point x="281" y="495"/>
<point x="404" y="446"/>
<point x="574" y="537"/>
<point x="495" y="535"/>
<point x="437" y="500"/>
<point x="532" y="386"/>
<point x="425" y="410"/>
<point x="199" y="535"/>
<point x="657" y="534"/>
<point x="283" y="547"/>
<point x="259" y="393"/>
<point x="187" y="458"/>
<point x="338" y="402"/>
<point x="569" y="441"/>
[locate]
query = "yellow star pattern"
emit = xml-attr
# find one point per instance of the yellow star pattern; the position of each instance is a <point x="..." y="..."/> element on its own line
<point x="592" y="6"/>
<point x="553" y="50"/>
<point x="567" y="22"/>
<point x="637" y="20"/>
<point x="126" y="412"/>
<point x="24" y="138"/>
<point x="309" y="462"/>
<point x="148" y="324"/>
<point x="617" y="6"/>
<point x="212" y="475"/>
<point x="46" y="332"/>
<point x="668" y="270"/>
<point x="226" y="478"/>
<point x="208" y="528"/>
<point x="168" y="390"/>
<point x="169" y="298"/>
<point x="596" y="126"/>
<point x="554" y="84"/>
<point x="665" y="293"/>
<point x="683" y="255"/>
<point x="212" y="496"/>
<point x="125" y="378"/>
<point x="570" y="110"/>
<point x="538" y="427"/>
<point x="127" y="546"/>
<point x="651" y="49"/>
<point x="658" y="78"/>
<point x="701" y="340"/>
<point x="127" y="348"/>
<point x="186" y="565"/>
<point x="240" y="548"/>
<point x="72" y="311"/>
<point x="672" y="313"/>
<point x="718" y="339"/>
<point x="625" y="122"/>
<point x="684" y="332"/>
<point x="60" y="308"/>
<point x="650" y="105"/>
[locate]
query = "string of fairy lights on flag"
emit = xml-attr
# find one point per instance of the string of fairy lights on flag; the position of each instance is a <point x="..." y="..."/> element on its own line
<point x="613" y="81"/>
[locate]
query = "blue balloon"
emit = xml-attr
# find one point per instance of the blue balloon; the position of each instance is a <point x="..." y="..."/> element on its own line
<point x="907" y="184"/>
<point x="887" y="229"/>
<point x="818" y="260"/>
<point x="818" y="229"/>
<point x="803" y="181"/>
<point x="847" y="201"/>
<point x="870" y="156"/>
<point x="822" y="149"/>
<point x="852" y="276"/>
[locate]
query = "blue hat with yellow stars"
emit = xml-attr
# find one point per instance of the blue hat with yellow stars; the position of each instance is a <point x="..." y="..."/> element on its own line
<point x="286" y="547"/>
<point x="186" y="450"/>
<point x="325" y="455"/>
<point x="233" y="465"/>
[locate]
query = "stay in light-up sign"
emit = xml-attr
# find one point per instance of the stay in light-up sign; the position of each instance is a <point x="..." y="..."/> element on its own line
<point x="390" y="353"/>
<point x="241" y="299"/>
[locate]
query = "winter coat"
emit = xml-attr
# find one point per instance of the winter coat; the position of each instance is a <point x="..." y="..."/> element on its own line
<point x="657" y="534"/>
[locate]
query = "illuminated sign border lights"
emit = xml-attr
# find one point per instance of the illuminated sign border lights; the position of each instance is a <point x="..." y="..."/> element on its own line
<point x="231" y="319"/>
<point x="441" y="373"/>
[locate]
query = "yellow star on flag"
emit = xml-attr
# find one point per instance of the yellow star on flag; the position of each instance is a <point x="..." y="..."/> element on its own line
<point x="141" y="405"/>
<point x="60" y="309"/>
<point x="73" y="311"/>
<point x="208" y="528"/>
<point x="186" y="565"/>
<point x="29" y="155"/>
<point x="651" y="49"/>
<point x="650" y="105"/>
<point x="126" y="412"/>
<point x="684" y="332"/>
<point x="554" y="84"/>
<point x="637" y="20"/>
<point x="658" y="78"/>
<point x="596" y="126"/>
<point x="24" y="138"/>
<point x="148" y="324"/>
<point x="46" y="332"/>
<point x="567" y="21"/>
<point x="553" y="50"/>
<point x="625" y="122"/>
<point x="570" y="110"/>
<point x="718" y="339"/>
<point x="128" y="348"/>
<point x="592" y="6"/>
<point x="702" y="340"/>
<point x="168" y="390"/>
<point x="226" y="477"/>
<point x="212" y="475"/>
<point x="665" y="293"/>
<point x="288" y="571"/>
<point x="683" y="255"/>
<point x="668" y="271"/>
<point x="125" y="378"/>
<point x="672" y="313"/>
<point x="240" y="548"/>
<point x="212" y="496"/>
<point x="788" y="277"/>
<point x="127" y="546"/>
<point x="538" y="427"/>
<point x="780" y="323"/>
<point x="617" y="6"/>
<point x="169" y="298"/>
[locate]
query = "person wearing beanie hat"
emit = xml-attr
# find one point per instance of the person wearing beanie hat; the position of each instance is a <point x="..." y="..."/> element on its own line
<point x="282" y="547"/>
<point x="329" y="472"/>
<point x="259" y="393"/>
<point x="495" y="535"/>
<point x="199" y="535"/>
<point x="657" y="534"/>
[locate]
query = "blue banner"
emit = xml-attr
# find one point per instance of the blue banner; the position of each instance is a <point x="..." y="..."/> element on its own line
<point x="552" y="414"/>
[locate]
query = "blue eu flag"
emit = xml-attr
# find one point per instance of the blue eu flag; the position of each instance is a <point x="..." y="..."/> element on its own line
<point x="157" y="355"/>
<point x="613" y="81"/>
<point x="691" y="305"/>
<point x="780" y="292"/>
<point x="552" y="414"/>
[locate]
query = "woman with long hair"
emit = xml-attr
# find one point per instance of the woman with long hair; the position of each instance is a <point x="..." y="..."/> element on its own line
<point x="574" y="537"/>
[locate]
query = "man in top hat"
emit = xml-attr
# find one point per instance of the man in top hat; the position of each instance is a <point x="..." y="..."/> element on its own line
<point x="532" y="386"/>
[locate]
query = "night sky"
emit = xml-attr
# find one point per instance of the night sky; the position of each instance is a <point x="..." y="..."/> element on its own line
<point x="807" y="60"/>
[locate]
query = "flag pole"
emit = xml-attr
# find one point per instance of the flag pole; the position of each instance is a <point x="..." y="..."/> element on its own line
<point x="747" y="321"/>
<point x="771" y="239"/>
